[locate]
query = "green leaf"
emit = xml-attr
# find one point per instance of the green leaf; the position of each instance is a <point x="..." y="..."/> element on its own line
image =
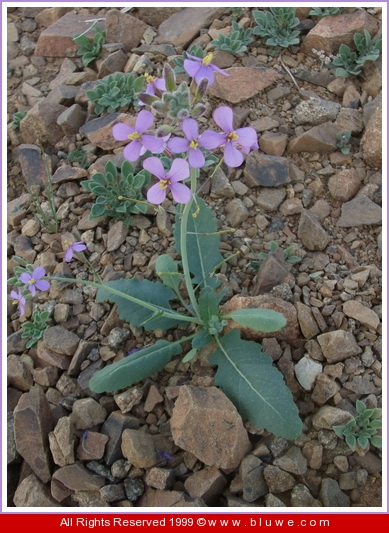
<point x="363" y="442"/>
<point x="265" y="320"/>
<point x="360" y="406"/>
<point x="208" y="304"/>
<point x="189" y="356"/>
<point x="203" y="254"/>
<point x="255" y="386"/>
<point x="135" y="367"/>
<point x="97" y="211"/>
<point x="338" y="430"/>
<point x="202" y="338"/>
<point x="376" y="441"/>
<point x="154" y="293"/>
<point x="166" y="268"/>
<point x="351" y="442"/>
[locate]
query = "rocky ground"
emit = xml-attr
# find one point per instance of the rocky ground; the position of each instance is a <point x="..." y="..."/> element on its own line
<point x="161" y="443"/>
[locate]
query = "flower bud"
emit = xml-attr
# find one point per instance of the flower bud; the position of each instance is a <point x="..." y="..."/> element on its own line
<point x="170" y="77"/>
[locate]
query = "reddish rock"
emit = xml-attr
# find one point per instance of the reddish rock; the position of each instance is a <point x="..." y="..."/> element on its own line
<point x="40" y="124"/>
<point x="371" y="142"/>
<point x="33" y="493"/>
<point x="306" y="320"/>
<point x="338" y="345"/>
<point x="138" y="448"/>
<point x="32" y="165"/>
<point x="68" y="173"/>
<point x="48" y="16"/>
<point x="19" y="373"/>
<point x="99" y="130"/>
<point x="207" y="484"/>
<point x="124" y="28"/>
<point x="362" y="313"/>
<point x="320" y="139"/>
<point x="344" y="185"/>
<point x="167" y="498"/>
<point x="75" y="477"/>
<point x="242" y="83"/>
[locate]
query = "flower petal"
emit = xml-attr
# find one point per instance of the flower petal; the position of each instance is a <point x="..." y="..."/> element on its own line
<point x="178" y="145"/>
<point x="38" y="273"/>
<point x="211" y="139"/>
<point x="144" y="121"/>
<point x="25" y="277"/>
<point x="247" y="137"/>
<point x="178" y="171"/>
<point x="121" y="131"/>
<point x="42" y="285"/>
<point x="154" y="165"/>
<point x="132" y="150"/>
<point x="156" y="145"/>
<point x="191" y="128"/>
<point x="205" y="72"/>
<point x="223" y="117"/>
<point x="181" y="193"/>
<point x="78" y="246"/>
<point x="156" y="194"/>
<point x="68" y="255"/>
<point x="196" y="158"/>
<point x="232" y="157"/>
<point x="191" y="67"/>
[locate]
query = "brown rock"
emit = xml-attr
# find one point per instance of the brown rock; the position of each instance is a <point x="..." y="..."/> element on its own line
<point x="306" y="320"/>
<point x="40" y="124"/>
<point x="325" y="388"/>
<point x="242" y="83"/>
<point x="167" y="498"/>
<point x="273" y="271"/>
<point x="338" y="345"/>
<point x="159" y="478"/>
<point x="344" y="185"/>
<point x="57" y="39"/>
<point x="87" y="413"/>
<point x="71" y="119"/>
<point x="205" y="423"/>
<point x="371" y="142"/>
<point x="138" y="448"/>
<point x="115" y="62"/>
<point x="92" y="446"/>
<point x="114" y="427"/>
<point x="320" y="138"/>
<point x="182" y="27"/>
<point x="116" y="236"/>
<point x="312" y="234"/>
<point x="207" y="484"/>
<point x="277" y="480"/>
<point x="349" y="119"/>
<point x="49" y="357"/>
<point x="60" y="340"/>
<point x="48" y="16"/>
<point x="266" y="170"/>
<point x="153" y="398"/>
<point x="62" y="442"/>
<point x="31" y="492"/>
<point x="273" y="143"/>
<point x="330" y="32"/>
<point x="33" y="166"/>
<point x="76" y="477"/>
<point x="33" y="423"/>
<point x="290" y="332"/>
<point x="99" y="130"/>
<point x="360" y="211"/>
<point x="362" y="313"/>
<point x="19" y="373"/>
<point x="124" y="28"/>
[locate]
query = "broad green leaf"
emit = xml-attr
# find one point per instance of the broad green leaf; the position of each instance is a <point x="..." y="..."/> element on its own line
<point x="338" y="430"/>
<point x="255" y="386"/>
<point x="202" y="338"/>
<point x="376" y="441"/>
<point x="265" y="320"/>
<point x="202" y="244"/>
<point x="363" y="442"/>
<point x="147" y="291"/>
<point x="97" y="211"/>
<point x="166" y="268"/>
<point x="189" y="356"/>
<point x="208" y="304"/>
<point x="351" y="442"/>
<point x="135" y="367"/>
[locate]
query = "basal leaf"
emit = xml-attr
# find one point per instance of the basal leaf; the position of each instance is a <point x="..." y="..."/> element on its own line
<point x="255" y="386"/>
<point x="265" y="320"/>
<point x="166" y="268"/>
<point x="135" y="367"/>
<point x="154" y="293"/>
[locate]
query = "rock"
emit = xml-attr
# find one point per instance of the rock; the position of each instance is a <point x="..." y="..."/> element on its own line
<point x="338" y="345"/>
<point x="48" y="16"/>
<point x="292" y="461"/>
<point x="312" y="234"/>
<point x="325" y="388"/>
<point x="33" y="166"/>
<point x="362" y="313"/>
<point x="72" y="119"/>
<point x="253" y="481"/>
<point x="322" y="79"/>
<point x="60" y="340"/>
<point x="313" y="452"/>
<point x="242" y="83"/>
<point x="265" y="124"/>
<point x="113" y="428"/>
<point x="40" y="124"/>
<point x="124" y="28"/>
<point x="116" y="236"/>
<point x="371" y="142"/>
<point x="362" y="385"/>
<point x="99" y="130"/>
<point x="291" y="206"/>
<point x="273" y="143"/>
<point x="320" y="139"/>
<point x="134" y="488"/>
<point x="87" y="413"/>
<point x="349" y="119"/>
<point x="31" y="492"/>
<point x="113" y="493"/>
<point x="74" y="477"/>
<point x="270" y="199"/>
<point x="345" y="184"/>
<point x="221" y="186"/>
<point x="301" y="497"/>
<point x="138" y="448"/>
<point x="237" y="212"/>
<point x="19" y="373"/>
<point x="92" y="446"/>
<point x="48" y="357"/>
<point x="359" y="212"/>
<point x="153" y="398"/>
<point x="127" y="399"/>
<point x="33" y="423"/>
<point x="273" y="501"/>
<point x="330" y="32"/>
<point x="306" y="320"/>
<point x="315" y="111"/>
<point x="306" y="371"/>
<point x="266" y="171"/>
<point x="222" y="441"/>
<point x="277" y="480"/>
<point x="57" y="39"/>
<point x="207" y="484"/>
<point x="327" y="417"/>
<point x="351" y="97"/>
<point x="182" y="27"/>
<point x="290" y="332"/>
<point x="273" y="271"/>
<point x="331" y="496"/>
<point x="62" y="442"/>
<point x="160" y="478"/>
<point x="168" y="498"/>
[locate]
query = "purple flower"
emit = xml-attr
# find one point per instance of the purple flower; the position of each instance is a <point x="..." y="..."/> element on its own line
<point x="139" y="142"/>
<point x="34" y="280"/>
<point x="199" y="68"/>
<point x="154" y="84"/>
<point x="74" y="247"/>
<point x="244" y="139"/>
<point x="18" y="298"/>
<point x="178" y="172"/>
<point x="191" y="144"/>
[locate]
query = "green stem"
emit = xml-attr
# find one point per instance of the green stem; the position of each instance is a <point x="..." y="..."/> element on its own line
<point x="83" y="258"/>
<point x="152" y="307"/>
<point x="183" y="243"/>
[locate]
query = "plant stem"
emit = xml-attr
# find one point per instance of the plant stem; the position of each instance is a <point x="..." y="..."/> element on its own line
<point x="152" y="307"/>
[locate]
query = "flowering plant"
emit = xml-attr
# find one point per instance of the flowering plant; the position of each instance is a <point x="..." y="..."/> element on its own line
<point x="188" y="294"/>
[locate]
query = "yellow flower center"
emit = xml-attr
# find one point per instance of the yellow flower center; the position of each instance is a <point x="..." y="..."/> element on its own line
<point x="31" y="281"/>
<point x="232" y="136"/>
<point x="207" y="59"/>
<point x="163" y="184"/>
<point x="149" y="79"/>
<point x="134" y="136"/>
<point x="15" y="302"/>
<point x="193" y="144"/>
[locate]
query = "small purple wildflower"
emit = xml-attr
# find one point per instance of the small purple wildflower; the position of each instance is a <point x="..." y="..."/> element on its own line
<point x="140" y="142"/>
<point x="34" y="280"/>
<point x="154" y="85"/>
<point x="178" y="172"/>
<point x="164" y="455"/>
<point x="18" y="298"/>
<point x="74" y="247"/>
<point x="191" y="144"/>
<point x="199" y="68"/>
<point x="244" y="139"/>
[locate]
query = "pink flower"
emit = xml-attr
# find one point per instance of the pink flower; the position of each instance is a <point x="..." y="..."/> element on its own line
<point x="199" y="68"/>
<point x="74" y="247"/>
<point x="139" y="142"/>
<point x="18" y="298"/>
<point x="178" y="172"/>
<point x="34" y="280"/>
<point x="191" y="144"/>
<point x="244" y="139"/>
